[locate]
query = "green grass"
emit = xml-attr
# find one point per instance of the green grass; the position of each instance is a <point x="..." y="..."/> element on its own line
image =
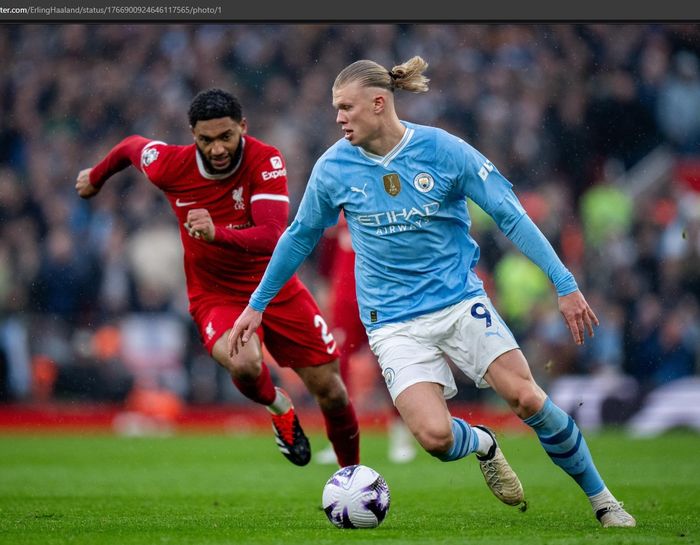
<point x="196" y="490"/>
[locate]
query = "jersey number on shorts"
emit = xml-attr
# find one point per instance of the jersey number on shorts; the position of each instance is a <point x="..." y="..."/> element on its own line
<point x="326" y="335"/>
<point x="483" y="315"/>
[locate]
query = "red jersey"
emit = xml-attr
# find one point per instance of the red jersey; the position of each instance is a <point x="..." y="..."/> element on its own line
<point x="248" y="205"/>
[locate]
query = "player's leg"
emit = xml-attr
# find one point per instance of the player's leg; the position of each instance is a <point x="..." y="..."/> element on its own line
<point x="422" y="407"/>
<point x="510" y="377"/>
<point x="419" y="380"/>
<point x="248" y="371"/>
<point x="328" y="455"/>
<point x="466" y="334"/>
<point x="424" y="411"/>
<point x="349" y="332"/>
<point x="298" y="337"/>
<point x="213" y="317"/>
<point x="250" y="374"/>
<point x="252" y="377"/>
<point x="342" y="428"/>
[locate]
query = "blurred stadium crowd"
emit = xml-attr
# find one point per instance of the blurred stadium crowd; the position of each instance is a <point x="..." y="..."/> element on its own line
<point x="596" y="125"/>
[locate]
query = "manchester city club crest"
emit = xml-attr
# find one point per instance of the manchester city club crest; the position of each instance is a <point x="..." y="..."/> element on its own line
<point x="389" y="376"/>
<point x="423" y="182"/>
<point x="392" y="184"/>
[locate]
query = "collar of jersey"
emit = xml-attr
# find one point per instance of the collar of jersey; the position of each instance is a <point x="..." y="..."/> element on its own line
<point x="386" y="159"/>
<point x="208" y="176"/>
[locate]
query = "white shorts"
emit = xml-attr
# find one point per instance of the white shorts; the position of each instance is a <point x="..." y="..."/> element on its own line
<point x="470" y="333"/>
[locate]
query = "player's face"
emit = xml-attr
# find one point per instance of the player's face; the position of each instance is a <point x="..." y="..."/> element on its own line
<point x="358" y="110"/>
<point x="217" y="141"/>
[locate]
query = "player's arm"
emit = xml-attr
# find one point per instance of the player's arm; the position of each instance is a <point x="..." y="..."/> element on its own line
<point x="522" y="231"/>
<point x="487" y="187"/>
<point x="512" y="219"/>
<point x="269" y="220"/>
<point x="125" y="153"/>
<point x="293" y="248"/>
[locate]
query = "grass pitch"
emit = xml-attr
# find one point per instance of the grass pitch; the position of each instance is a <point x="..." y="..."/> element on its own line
<point x="237" y="489"/>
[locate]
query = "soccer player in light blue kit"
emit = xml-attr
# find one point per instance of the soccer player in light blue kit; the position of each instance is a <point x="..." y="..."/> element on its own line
<point x="403" y="189"/>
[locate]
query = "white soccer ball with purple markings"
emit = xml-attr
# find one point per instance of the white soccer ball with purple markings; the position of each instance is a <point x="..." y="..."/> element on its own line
<point x="356" y="497"/>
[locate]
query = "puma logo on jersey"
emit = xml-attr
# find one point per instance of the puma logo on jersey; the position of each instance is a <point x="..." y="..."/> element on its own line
<point x="180" y="203"/>
<point x="358" y="190"/>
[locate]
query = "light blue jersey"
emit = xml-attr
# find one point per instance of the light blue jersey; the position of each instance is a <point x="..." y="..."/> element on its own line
<point x="409" y="223"/>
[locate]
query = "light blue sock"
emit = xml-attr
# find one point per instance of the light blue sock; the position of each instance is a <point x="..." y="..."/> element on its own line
<point x="465" y="441"/>
<point x="565" y="445"/>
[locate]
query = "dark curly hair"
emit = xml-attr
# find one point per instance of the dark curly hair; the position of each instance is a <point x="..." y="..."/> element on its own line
<point x="213" y="104"/>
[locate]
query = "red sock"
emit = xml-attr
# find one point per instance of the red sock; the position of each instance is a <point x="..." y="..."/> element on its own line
<point x="343" y="431"/>
<point x="260" y="389"/>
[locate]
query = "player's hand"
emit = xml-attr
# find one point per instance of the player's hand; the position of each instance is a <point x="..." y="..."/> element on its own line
<point x="578" y="316"/>
<point x="244" y="327"/>
<point x="83" y="186"/>
<point x="200" y="225"/>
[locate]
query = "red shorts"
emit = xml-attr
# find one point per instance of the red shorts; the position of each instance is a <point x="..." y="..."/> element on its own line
<point x="350" y="330"/>
<point x="292" y="329"/>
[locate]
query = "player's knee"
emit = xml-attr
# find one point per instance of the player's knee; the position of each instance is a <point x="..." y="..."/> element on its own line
<point x="528" y="401"/>
<point x="243" y="368"/>
<point x="435" y="441"/>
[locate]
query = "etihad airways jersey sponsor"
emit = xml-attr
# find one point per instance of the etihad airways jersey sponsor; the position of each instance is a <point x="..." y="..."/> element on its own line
<point x="407" y="214"/>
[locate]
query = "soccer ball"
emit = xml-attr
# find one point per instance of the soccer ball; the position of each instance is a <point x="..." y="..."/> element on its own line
<point x="356" y="497"/>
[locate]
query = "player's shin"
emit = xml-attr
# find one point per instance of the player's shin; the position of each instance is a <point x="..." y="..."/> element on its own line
<point x="465" y="441"/>
<point x="259" y="389"/>
<point x="563" y="442"/>
<point x="343" y="431"/>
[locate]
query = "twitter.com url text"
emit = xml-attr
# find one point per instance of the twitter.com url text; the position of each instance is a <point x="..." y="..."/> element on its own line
<point x="110" y="10"/>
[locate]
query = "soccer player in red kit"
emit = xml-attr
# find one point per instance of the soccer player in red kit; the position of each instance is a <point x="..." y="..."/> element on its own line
<point x="229" y="193"/>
